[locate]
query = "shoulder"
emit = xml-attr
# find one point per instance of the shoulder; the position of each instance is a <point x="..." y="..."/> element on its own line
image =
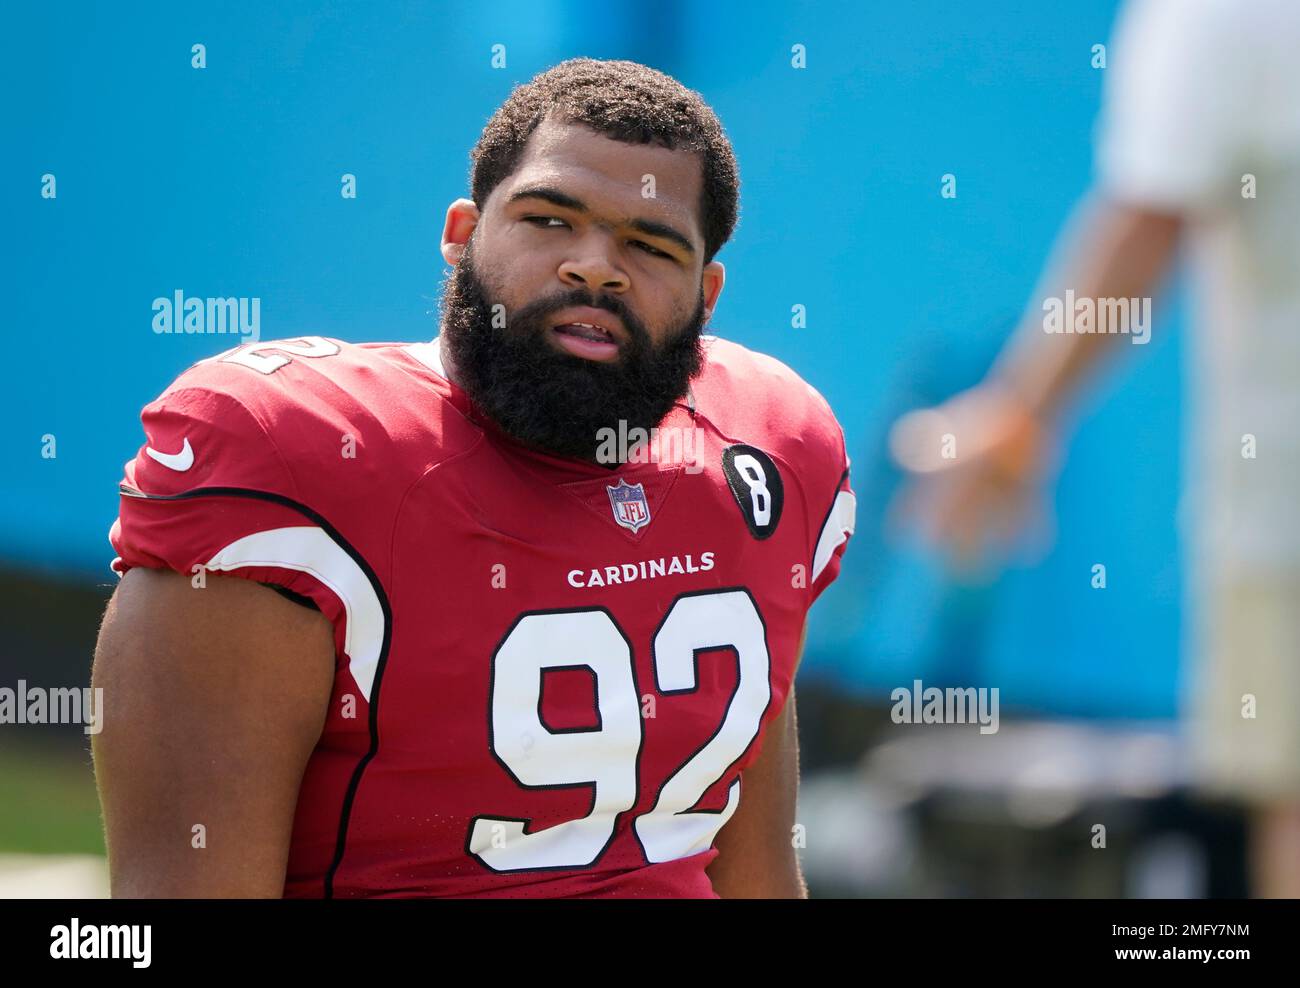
<point x="753" y="399"/>
<point x="290" y="408"/>
<point x="750" y="396"/>
<point x="305" y="376"/>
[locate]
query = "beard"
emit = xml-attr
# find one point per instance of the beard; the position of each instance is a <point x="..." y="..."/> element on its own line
<point x="555" y="401"/>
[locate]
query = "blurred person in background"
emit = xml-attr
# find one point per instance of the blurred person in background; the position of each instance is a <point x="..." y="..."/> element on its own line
<point x="1198" y="150"/>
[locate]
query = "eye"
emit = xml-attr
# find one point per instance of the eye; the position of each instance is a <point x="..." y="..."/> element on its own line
<point x="653" y="251"/>
<point x="544" y="220"/>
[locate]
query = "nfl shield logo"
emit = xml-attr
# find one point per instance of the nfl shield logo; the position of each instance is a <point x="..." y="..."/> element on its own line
<point x="631" y="510"/>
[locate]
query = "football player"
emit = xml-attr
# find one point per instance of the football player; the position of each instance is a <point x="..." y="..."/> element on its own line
<point x="516" y="612"/>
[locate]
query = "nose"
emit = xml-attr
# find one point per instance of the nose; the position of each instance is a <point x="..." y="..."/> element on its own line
<point x="592" y="266"/>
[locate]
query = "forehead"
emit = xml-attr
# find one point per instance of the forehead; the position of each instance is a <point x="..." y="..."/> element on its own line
<point x="609" y="176"/>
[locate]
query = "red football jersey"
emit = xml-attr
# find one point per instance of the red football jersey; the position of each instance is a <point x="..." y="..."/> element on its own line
<point x="551" y="675"/>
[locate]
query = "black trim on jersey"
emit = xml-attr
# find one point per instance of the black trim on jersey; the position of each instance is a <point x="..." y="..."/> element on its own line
<point x="822" y="527"/>
<point x="349" y="796"/>
<point x="595" y="699"/>
<point x="301" y="600"/>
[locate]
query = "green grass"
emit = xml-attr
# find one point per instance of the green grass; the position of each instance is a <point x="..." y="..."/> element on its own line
<point x="48" y="803"/>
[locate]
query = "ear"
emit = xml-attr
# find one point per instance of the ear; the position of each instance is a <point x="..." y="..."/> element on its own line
<point x="462" y="217"/>
<point x="711" y="282"/>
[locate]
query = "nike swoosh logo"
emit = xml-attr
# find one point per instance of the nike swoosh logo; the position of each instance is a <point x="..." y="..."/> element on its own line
<point x="179" y="462"/>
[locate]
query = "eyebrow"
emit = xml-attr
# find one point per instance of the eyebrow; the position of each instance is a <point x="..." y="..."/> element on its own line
<point x="652" y="228"/>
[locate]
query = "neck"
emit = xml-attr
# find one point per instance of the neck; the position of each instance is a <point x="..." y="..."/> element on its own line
<point x="448" y="364"/>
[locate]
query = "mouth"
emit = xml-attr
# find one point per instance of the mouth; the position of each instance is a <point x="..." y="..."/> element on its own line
<point x="592" y="334"/>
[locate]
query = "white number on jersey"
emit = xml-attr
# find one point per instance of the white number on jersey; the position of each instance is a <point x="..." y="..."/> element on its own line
<point x="268" y="357"/>
<point x="606" y="757"/>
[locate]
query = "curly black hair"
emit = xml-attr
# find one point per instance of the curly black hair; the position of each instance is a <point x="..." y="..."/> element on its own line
<point x="625" y="101"/>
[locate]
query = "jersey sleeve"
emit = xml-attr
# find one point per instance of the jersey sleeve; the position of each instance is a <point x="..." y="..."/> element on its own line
<point x="210" y="493"/>
<point x="836" y="525"/>
<point x="1175" y="102"/>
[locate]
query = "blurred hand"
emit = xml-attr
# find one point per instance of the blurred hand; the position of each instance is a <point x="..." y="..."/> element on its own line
<point x="978" y="466"/>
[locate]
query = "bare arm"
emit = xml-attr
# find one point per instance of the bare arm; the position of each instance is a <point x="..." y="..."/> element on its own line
<point x="983" y="453"/>
<point x="756" y="856"/>
<point x="1115" y="251"/>
<point x="213" y="701"/>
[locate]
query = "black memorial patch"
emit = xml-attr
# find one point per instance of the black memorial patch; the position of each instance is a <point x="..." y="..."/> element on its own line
<point x="756" y="483"/>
